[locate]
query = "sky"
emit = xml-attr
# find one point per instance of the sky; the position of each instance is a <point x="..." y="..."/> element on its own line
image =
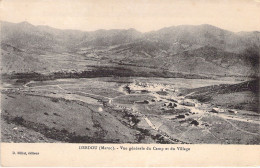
<point x="143" y="15"/>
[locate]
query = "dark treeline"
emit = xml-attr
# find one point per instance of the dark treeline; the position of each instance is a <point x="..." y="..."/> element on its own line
<point x="97" y="72"/>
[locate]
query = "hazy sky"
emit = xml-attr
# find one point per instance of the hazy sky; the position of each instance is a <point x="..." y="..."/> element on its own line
<point x="143" y="15"/>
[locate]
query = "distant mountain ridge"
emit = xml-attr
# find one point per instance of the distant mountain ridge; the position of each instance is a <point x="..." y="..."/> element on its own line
<point x="202" y="49"/>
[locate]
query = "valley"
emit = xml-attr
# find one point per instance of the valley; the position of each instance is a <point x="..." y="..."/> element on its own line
<point x="186" y="84"/>
<point x="126" y="110"/>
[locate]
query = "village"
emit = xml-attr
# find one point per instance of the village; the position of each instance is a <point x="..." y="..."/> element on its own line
<point x="169" y="96"/>
<point x="168" y="104"/>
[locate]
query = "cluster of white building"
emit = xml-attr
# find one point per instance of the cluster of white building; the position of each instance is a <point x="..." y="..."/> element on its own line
<point x="152" y="87"/>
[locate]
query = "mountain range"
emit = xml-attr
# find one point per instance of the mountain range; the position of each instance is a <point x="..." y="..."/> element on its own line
<point x="201" y="49"/>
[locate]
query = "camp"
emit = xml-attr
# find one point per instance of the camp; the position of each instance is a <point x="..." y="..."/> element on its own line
<point x="155" y="148"/>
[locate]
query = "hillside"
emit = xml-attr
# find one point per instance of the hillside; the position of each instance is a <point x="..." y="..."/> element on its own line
<point x="201" y="50"/>
<point x="243" y="96"/>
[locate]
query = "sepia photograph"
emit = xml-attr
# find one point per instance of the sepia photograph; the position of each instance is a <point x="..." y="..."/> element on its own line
<point x="130" y="72"/>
